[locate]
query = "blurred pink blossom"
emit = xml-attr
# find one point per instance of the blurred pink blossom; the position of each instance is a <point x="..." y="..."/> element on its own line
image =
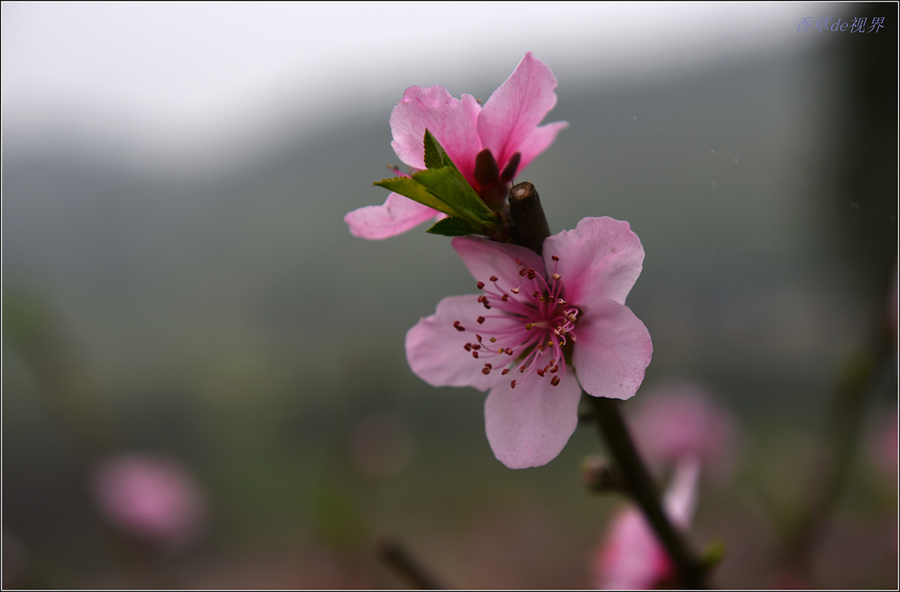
<point x="683" y="421"/>
<point x="150" y="497"/>
<point x="488" y="144"/>
<point x="631" y="557"/>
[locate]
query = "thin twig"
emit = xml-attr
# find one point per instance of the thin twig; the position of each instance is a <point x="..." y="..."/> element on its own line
<point x="393" y="554"/>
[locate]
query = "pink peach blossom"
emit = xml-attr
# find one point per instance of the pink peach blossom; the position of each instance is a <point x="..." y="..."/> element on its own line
<point x="539" y="322"/>
<point x="681" y="420"/>
<point x="632" y="558"/>
<point x="488" y="144"/>
<point x="150" y="497"/>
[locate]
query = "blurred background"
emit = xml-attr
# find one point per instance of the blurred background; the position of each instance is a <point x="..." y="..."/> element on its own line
<point x="204" y="379"/>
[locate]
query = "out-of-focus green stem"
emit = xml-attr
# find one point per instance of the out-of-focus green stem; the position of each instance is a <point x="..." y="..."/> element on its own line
<point x="842" y="430"/>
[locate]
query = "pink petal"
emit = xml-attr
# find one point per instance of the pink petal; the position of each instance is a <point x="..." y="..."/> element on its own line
<point x="677" y="421"/>
<point x="397" y="215"/>
<point x="631" y="558"/>
<point x="680" y="499"/>
<point x="538" y="141"/>
<point x="612" y="350"/>
<point x="600" y="259"/>
<point x="451" y="121"/>
<point x="529" y="425"/>
<point x="485" y="258"/>
<point x="435" y="348"/>
<point x="511" y="114"/>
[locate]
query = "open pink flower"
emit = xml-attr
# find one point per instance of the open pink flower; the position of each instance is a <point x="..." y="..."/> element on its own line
<point x="487" y="144"/>
<point x="632" y="558"/>
<point x="537" y="322"/>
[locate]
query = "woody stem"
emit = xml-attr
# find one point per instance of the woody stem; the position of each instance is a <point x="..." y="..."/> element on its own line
<point x="613" y="430"/>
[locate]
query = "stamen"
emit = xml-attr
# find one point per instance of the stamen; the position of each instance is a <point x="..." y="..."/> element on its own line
<point x="547" y="318"/>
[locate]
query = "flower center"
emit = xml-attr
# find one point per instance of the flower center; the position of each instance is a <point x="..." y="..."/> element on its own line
<point x="526" y="327"/>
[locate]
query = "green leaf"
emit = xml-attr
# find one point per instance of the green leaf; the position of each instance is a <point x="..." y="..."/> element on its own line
<point x="411" y="188"/>
<point x="450" y="187"/>
<point x="452" y="227"/>
<point x="435" y="156"/>
<point x="443" y="188"/>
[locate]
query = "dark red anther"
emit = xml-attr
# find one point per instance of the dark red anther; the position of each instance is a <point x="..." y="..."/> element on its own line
<point x="512" y="384"/>
<point x="555" y="258"/>
<point x="531" y="273"/>
<point x="480" y="285"/>
<point x="457" y="326"/>
<point x="508" y="351"/>
<point x="505" y="371"/>
<point x="475" y="354"/>
<point x="554" y="381"/>
<point x="480" y="320"/>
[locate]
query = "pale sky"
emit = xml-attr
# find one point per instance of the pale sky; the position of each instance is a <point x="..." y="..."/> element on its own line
<point x="159" y="81"/>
